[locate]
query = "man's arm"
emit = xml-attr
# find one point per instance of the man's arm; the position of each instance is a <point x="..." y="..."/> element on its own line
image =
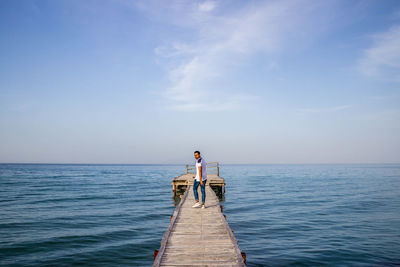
<point x="200" y="175"/>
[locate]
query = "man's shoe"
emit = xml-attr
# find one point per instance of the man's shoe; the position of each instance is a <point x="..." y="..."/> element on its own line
<point x="196" y="205"/>
<point x="203" y="206"/>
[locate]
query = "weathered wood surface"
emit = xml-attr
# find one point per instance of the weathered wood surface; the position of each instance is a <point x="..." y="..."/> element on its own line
<point x="199" y="237"/>
<point x="187" y="179"/>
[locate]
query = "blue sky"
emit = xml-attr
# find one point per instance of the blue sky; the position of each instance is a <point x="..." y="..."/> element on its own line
<point x="119" y="81"/>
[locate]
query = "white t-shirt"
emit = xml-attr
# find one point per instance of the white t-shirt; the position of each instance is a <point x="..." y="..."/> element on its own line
<point x="201" y="163"/>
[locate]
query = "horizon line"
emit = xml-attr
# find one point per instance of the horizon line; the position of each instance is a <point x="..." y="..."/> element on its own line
<point x="323" y="163"/>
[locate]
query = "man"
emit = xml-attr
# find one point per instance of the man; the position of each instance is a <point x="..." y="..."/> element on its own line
<point x="200" y="179"/>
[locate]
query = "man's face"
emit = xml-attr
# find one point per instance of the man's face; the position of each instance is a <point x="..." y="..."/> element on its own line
<point x="196" y="155"/>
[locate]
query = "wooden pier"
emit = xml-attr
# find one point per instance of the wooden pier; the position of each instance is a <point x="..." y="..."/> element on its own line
<point x="216" y="182"/>
<point x="195" y="236"/>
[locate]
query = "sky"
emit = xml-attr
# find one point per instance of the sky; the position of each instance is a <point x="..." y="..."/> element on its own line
<point x="118" y="81"/>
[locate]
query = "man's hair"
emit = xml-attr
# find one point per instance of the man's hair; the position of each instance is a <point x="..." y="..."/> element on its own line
<point x="198" y="152"/>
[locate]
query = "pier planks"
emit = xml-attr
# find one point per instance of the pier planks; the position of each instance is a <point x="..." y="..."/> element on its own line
<point x="199" y="237"/>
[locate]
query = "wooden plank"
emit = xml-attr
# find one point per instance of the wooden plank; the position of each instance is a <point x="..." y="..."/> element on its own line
<point x="211" y="177"/>
<point x="199" y="237"/>
<point x="168" y="232"/>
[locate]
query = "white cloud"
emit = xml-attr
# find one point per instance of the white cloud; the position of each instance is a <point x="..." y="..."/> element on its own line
<point x="220" y="42"/>
<point x="207" y="6"/>
<point x="324" y="110"/>
<point x="382" y="59"/>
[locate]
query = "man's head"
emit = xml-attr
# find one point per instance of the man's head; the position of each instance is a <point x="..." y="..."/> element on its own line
<point x="197" y="154"/>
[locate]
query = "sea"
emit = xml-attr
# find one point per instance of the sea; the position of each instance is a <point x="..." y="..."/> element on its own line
<point x="281" y="215"/>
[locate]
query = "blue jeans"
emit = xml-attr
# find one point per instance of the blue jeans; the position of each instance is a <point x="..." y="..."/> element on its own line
<point x="203" y="190"/>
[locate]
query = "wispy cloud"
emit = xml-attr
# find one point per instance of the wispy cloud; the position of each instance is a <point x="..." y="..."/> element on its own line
<point x="221" y="39"/>
<point x="207" y="6"/>
<point x="324" y="110"/>
<point x="382" y="59"/>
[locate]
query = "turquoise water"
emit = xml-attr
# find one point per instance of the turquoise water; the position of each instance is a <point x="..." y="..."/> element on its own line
<point x="115" y="215"/>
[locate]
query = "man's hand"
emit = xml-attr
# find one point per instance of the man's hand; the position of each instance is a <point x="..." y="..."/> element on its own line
<point x="201" y="182"/>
